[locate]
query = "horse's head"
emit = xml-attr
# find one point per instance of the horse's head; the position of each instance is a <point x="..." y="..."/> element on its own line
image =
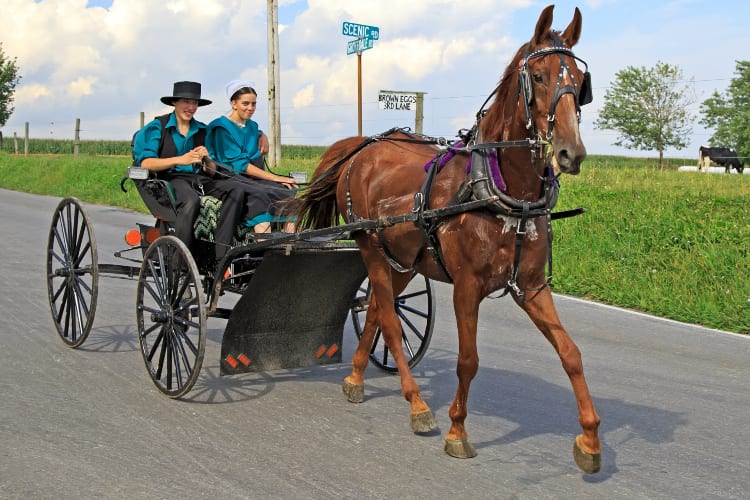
<point x="541" y="94"/>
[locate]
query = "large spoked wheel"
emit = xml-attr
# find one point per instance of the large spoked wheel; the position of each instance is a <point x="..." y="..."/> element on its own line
<point x="72" y="272"/>
<point x="415" y="308"/>
<point x="171" y="316"/>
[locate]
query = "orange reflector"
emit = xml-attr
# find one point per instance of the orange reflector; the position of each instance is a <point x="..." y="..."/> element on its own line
<point x="332" y="350"/>
<point x="152" y="235"/>
<point x="133" y="237"/>
<point x="321" y="350"/>
<point x="244" y="359"/>
<point x="231" y="361"/>
<point x="227" y="273"/>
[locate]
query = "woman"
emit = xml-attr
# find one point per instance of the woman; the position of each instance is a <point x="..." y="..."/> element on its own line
<point x="236" y="141"/>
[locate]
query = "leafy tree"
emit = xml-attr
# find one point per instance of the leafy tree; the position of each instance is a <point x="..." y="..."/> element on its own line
<point x="729" y="113"/>
<point x="8" y="80"/>
<point x="648" y="108"/>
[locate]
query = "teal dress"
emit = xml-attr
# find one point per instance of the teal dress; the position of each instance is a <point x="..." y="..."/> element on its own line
<point x="235" y="147"/>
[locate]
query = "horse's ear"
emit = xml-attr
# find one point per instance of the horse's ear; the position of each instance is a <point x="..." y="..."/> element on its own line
<point x="573" y="32"/>
<point x="542" y="26"/>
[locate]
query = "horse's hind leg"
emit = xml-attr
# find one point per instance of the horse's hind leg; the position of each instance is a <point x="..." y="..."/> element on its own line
<point x="354" y="383"/>
<point x="385" y="285"/>
<point x="587" y="447"/>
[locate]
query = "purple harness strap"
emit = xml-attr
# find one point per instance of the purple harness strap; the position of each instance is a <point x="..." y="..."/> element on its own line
<point x="497" y="177"/>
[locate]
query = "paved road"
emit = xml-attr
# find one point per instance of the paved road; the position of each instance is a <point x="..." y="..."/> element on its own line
<point x="86" y="423"/>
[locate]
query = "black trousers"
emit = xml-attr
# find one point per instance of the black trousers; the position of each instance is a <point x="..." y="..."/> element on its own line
<point x="188" y="188"/>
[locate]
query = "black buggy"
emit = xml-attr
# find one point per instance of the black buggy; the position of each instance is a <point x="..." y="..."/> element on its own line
<point x="318" y="274"/>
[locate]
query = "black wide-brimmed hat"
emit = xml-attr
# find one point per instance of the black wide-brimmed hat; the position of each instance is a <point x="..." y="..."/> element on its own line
<point x="185" y="90"/>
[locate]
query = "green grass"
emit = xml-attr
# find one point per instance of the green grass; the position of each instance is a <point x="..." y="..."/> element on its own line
<point x="673" y="244"/>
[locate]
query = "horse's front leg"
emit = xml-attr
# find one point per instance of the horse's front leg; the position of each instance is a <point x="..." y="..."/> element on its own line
<point x="587" y="447"/>
<point x="466" y="306"/>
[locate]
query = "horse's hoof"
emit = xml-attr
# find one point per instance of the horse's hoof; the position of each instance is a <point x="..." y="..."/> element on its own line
<point x="588" y="463"/>
<point x="354" y="393"/>
<point x="460" y="448"/>
<point x="423" y="422"/>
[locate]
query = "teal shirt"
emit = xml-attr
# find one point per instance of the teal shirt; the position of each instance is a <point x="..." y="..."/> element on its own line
<point x="232" y="145"/>
<point x="146" y="143"/>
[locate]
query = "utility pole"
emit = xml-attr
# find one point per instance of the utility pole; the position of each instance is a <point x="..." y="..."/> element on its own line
<point x="274" y="109"/>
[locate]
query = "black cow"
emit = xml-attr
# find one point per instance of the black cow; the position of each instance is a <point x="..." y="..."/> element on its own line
<point x="724" y="157"/>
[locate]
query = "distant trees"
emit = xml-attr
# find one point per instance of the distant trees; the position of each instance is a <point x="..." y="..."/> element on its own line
<point x="8" y="80"/>
<point x="648" y="108"/>
<point x="729" y="113"/>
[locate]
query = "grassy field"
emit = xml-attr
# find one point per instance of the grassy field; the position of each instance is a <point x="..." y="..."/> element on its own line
<point x="673" y="244"/>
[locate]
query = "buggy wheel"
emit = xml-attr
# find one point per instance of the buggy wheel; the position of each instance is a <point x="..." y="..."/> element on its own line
<point x="171" y="316"/>
<point x="72" y="272"/>
<point x="415" y="309"/>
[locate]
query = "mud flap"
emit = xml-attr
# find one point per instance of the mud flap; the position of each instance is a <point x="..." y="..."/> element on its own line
<point x="293" y="312"/>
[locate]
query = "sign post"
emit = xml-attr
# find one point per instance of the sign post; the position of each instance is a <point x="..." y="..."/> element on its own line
<point x="365" y="37"/>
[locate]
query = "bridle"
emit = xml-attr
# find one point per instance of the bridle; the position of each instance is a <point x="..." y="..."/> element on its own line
<point x="581" y="92"/>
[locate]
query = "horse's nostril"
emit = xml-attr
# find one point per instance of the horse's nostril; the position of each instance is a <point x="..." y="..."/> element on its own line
<point x="563" y="158"/>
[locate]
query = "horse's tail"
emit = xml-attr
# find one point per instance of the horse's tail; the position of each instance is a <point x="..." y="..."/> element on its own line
<point x="317" y="207"/>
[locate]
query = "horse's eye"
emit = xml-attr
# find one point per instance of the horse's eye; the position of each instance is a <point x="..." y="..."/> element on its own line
<point x="538" y="78"/>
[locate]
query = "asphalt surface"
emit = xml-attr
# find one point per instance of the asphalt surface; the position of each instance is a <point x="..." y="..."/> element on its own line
<point x="88" y="423"/>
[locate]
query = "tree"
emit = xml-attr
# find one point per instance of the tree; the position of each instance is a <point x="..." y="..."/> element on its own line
<point x="729" y="113"/>
<point x="8" y="80"/>
<point x="648" y="108"/>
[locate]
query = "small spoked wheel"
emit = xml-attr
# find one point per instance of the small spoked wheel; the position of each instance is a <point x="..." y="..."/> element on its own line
<point x="415" y="309"/>
<point x="171" y="316"/>
<point x="72" y="272"/>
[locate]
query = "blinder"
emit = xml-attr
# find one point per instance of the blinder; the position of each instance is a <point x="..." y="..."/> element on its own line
<point x="583" y="93"/>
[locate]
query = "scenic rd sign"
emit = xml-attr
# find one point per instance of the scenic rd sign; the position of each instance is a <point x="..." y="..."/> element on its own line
<point x="361" y="30"/>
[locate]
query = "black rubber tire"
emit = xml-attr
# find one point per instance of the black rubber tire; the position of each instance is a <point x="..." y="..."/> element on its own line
<point x="72" y="272"/>
<point x="415" y="307"/>
<point x="171" y="316"/>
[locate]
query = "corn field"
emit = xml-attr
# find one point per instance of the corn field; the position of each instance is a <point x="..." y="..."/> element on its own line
<point x="122" y="148"/>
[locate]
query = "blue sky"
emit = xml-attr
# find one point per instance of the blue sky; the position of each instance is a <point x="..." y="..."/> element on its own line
<point x="109" y="60"/>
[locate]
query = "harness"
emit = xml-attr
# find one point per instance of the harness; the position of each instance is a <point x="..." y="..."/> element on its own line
<point x="484" y="187"/>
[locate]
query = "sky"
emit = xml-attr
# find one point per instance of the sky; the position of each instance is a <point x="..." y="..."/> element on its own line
<point x="106" y="61"/>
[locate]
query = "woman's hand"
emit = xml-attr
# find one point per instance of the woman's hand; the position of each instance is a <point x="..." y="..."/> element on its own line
<point x="263" y="144"/>
<point x="287" y="182"/>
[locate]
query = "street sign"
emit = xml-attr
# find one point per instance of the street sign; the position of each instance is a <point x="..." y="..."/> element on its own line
<point x="358" y="45"/>
<point x="361" y="30"/>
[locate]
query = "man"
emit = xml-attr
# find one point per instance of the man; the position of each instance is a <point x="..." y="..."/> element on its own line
<point x="173" y="146"/>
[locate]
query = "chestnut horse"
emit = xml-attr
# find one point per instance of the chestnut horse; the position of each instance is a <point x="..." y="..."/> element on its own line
<point x="458" y="227"/>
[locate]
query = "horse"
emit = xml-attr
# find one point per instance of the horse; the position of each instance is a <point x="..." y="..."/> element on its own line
<point x="460" y="227"/>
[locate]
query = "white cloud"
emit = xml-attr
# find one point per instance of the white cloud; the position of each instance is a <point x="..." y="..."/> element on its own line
<point x="105" y="66"/>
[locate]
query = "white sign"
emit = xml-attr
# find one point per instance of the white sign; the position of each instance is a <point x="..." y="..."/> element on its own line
<point x="397" y="101"/>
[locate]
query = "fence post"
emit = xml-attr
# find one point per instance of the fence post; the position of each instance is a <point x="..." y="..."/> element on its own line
<point x="419" y="113"/>
<point x="77" y="138"/>
<point x="26" y="139"/>
<point x="15" y="142"/>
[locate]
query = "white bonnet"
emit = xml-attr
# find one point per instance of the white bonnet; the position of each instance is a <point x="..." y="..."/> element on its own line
<point x="236" y="85"/>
